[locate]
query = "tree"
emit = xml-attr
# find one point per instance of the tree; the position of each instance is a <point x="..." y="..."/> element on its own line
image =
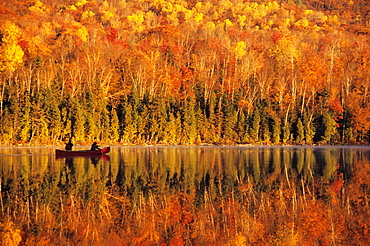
<point x="114" y="126"/>
<point x="189" y="127"/>
<point x="78" y="122"/>
<point x="308" y="127"/>
<point x="300" y="131"/>
<point x="130" y="127"/>
<point x="25" y="120"/>
<point x="276" y="131"/>
<point x="330" y="126"/>
<point x="11" y="55"/>
<point x="256" y="121"/>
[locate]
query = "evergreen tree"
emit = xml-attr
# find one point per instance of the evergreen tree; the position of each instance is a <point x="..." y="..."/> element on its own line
<point x="265" y="130"/>
<point x="104" y="126"/>
<point x="287" y="131"/>
<point x="300" y="131"/>
<point x="53" y="114"/>
<point x="256" y="125"/>
<point x="79" y="123"/>
<point x="229" y="122"/>
<point x="130" y="128"/>
<point x="213" y="133"/>
<point x="25" y="120"/>
<point x="189" y="127"/>
<point x="276" y="131"/>
<point x="330" y="128"/>
<point x="173" y="129"/>
<point x="91" y="127"/>
<point x="308" y="128"/>
<point x="114" y="126"/>
<point x="242" y="127"/>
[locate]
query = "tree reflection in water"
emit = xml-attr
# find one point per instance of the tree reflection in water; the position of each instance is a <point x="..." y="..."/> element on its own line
<point x="188" y="195"/>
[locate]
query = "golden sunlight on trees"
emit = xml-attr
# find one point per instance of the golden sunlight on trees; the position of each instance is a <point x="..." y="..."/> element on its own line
<point x="302" y="66"/>
<point x="11" y="53"/>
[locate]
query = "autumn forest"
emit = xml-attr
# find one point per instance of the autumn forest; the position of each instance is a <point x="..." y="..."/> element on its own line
<point x="185" y="72"/>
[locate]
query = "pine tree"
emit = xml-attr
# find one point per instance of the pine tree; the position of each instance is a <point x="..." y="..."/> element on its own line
<point x="229" y="122"/>
<point x="276" y="131"/>
<point x="308" y="128"/>
<point x="189" y="127"/>
<point x="300" y="131"/>
<point x="79" y="123"/>
<point x="130" y="128"/>
<point x="287" y="131"/>
<point x="25" y="120"/>
<point x="256" y="121"/>
<point x="330" y="128"/>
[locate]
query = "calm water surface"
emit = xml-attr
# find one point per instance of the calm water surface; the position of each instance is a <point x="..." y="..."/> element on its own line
<point x="158" y="168"/>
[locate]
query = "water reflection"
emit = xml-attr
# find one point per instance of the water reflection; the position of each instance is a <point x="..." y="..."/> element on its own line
<point x="158" y="169"/>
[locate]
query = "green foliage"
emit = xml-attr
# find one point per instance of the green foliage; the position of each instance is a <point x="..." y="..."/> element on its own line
<point x="114" y="126"/>
<point x="130" y="126"/>
<point x="256" y="121"/>
<point x="276" y="131"/>
<point x="78" y="121"/>
<point x="330" y="126"/>
<point x="300" y="131"/>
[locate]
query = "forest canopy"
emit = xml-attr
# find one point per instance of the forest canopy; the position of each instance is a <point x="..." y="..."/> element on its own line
<point x="185" y="72"/>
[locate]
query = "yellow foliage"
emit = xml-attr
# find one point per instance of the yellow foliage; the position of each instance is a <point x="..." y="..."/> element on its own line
<point x="167" y="7"/>
<point x="308" y="12"/>
<point x="136" y="18"/>
<point x="87" y="14"/>
<point x="239" y="49"/>
<point x="333" y="20"/>
<point x="286" y="236"/>
<point x="228" y="22"/>
<point x="11" y="54"/>
<point x="9" y="234"/>
<point x="189" y="14"/>
<point x="203" y="7"/>
<point x="37" y="46"/>
<point x="241" y="20"/>
<point x="107" y="15"/>
<point x="136" y="21"/>
<point x="303" y="22"/>
<point x="285" y="50"/>
<point x="81" y="3"/>
<point x="198" y="17"/>
<point x="72" y="7"/>
<point x="108" y="12"/>
<point x="226" y="4"/>
<point x="173" y="19"/>
<point x="210" y="26"/>
<point x="179" y="8"/>
<point x="82" y="33"/>
<point x="39" y="7"/>
<point x="240" y="240"/>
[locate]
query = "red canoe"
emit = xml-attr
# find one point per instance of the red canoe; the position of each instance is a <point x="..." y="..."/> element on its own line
<point x="103" y="151"/>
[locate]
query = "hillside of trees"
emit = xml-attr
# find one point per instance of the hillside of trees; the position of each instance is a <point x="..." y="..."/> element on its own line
<point x="185" y="72"/>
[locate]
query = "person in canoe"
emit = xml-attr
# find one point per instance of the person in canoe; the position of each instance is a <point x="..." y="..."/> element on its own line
<point x="69" y="145"/>
<point x="95" y="146"/>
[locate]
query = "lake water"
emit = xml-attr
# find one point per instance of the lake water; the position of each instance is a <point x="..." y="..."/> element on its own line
<point x="156" y="168"/>
<point x="198" y="195"/>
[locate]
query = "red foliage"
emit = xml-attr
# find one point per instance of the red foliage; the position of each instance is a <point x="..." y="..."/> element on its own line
<point x="23" y="43"/>
<point x="336" y="106"/>
<point x="112" y="34"/>
<point x="276" y="36"/>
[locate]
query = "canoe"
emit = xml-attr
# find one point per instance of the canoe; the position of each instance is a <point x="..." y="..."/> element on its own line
<point x="103" y="151"/>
